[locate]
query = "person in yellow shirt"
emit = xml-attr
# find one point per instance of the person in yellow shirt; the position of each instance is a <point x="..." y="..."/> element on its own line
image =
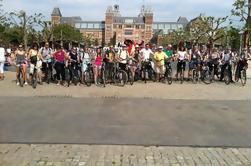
<point x="159" y="58"/>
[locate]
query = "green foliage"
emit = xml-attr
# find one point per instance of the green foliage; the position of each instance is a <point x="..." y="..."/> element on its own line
<point x="66" y="33"/>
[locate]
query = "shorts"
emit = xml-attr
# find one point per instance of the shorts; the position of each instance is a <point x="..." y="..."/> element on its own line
<point x="38" y="67"/>
<point x="98" y="67"/>
<point x="160" y="69"/>
<point x="1" y="67"/>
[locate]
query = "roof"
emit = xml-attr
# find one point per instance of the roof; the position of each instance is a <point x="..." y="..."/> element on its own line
<point x="70" y="19"/>
<point x="182" y="20"/>
<point x="56" y="12"/>
<point x="132" y="20"/>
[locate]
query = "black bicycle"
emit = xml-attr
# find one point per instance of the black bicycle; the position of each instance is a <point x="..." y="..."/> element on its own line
<point x="148" y="72"/>
<point x="47" y="72"/>
<point x="206" y="74"/>
<point x="34" y="76"/>
<point x="227" y="74"/>
<point x="87" y="76"/>
<point x="130" y="78"/>
<point x="168" y="72"/>
<point x="101" y="79"/>
<point x="241" y="71"/>
<point x="20" y="75"/>
<point x="119" y="76"/>
<point x="181" y="71"/>
<point x="73" y="73"/>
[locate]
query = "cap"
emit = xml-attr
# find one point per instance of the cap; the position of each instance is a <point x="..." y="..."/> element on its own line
<point x="160" y="47"/>
<point x="137" y="46"/>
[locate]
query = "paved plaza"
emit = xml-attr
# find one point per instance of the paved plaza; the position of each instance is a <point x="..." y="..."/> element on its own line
<point x="143" y="125"/>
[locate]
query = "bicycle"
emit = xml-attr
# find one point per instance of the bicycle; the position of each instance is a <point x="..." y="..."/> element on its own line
<point x="227" y="74"/>
<point x="241" y="71"/>
<point x="182" y="71"/>
<point x="34" y="75"/>
<point x="195" y="74"/>
<point x="130" y="78"/>
<point x="73" y="74"/>
<point x="168" y="73"/>
<point x="87" y="76"/>
<point x="206" y="74"/>
<point x="148" y="72"/>
<point x="20" y="75"/>
<point x="48" y="72"/>
<point x="102" y="76"/>
<point x="119" y="76"/>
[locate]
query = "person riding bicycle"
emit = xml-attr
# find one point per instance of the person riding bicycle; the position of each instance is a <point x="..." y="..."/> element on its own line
<point x="146" y="54"/>
<point x="60" y="57"/>
<point x="226" y="59"/>
<point x="213" y="60"/>
<point x="35" y="62"/>
<point x="73" y="61"/>
<point x="19" y="57"/>
<point x="122" y="57"/>
<point x="194" y="58"/>
<point x="109" y="60"/>
<point x="241" y="62"/>
<point x="98" y="65"/>
<point x="182" y="55"/>
<point x="160" y="57"/>
<point x="134" y="60"/>
<point x="46" y="53"/>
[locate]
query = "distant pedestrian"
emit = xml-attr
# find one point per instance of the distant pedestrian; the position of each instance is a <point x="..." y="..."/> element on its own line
<point x="2" y="61"/>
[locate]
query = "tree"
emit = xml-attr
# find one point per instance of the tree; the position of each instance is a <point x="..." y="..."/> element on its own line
<point x="66" y="33"/>
<point x="206" y="30"/>
<point x="47" y="32"/>
<point x="242" y="9"/>
<point x="26" y="22"/>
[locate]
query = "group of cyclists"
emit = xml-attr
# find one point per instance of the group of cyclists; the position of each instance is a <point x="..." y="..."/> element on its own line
<point x="126" y="63"/>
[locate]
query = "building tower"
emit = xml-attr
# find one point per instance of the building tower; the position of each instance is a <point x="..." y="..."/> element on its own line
<point x="56" y="16"/>
<point x="109" y="24"/>
<point x="148" y="19"/>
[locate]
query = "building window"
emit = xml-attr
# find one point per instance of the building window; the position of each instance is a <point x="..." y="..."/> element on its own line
<point x="96" y="26"/>
<point x="137" y="26"/>
<point x="180" y="26"/>
<point x="128" y="32"/>
<point x="90" y="26"/>
<point x="167" y="26"/>
<point x="148" y="28"/>
<point x="78" y="25"/>
<point x="174" y="26"/>
<point x="120" y="26"/>
<point x="155" y="26"/>
<point x="128" y="26"/>
<point x="83" y="25"/>
<point x="161" y="26"/>
<point x="108" y="27"/>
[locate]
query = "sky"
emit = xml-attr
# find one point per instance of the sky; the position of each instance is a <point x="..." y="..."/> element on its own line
<point x="94" y="10"/>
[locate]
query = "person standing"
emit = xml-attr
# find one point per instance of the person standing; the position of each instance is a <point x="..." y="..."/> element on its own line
<point x="2" y="61"/>
<point x="60" y="56"/>
<point x="46" y="53"/>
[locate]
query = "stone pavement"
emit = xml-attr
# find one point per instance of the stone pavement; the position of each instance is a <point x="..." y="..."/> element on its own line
<point x="104" y="155"/>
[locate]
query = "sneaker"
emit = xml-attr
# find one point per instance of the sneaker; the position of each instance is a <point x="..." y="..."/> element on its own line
<point x="25" y="83"/>
<point x="18" y="83"/>
<point x="58" y="84"/>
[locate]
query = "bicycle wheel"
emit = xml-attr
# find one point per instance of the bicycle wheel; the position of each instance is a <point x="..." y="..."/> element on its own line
<point x="169" y="76"/>
<point x="194" y="77"/>
<point x="21" y="78"/>
<point x="130" y="77"/>
<point x="87" y="78"/>
<point x="182" y="76"/>
<point x="48" y="75"/>
<point x="121" y="77"/>
<point x="243" y="77"/>
<point x="207" y="77"/>
<point x="67" y="77"/>
<point x="34" y="80"/>
<point x="226" y="77"/>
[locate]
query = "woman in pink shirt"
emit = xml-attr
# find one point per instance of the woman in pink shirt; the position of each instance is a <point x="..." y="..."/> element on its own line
<point x="98" y="65"/>
<point x="60" y="57"/>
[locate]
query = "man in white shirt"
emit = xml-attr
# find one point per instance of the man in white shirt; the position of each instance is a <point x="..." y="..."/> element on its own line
<point x="146" y="53"/>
